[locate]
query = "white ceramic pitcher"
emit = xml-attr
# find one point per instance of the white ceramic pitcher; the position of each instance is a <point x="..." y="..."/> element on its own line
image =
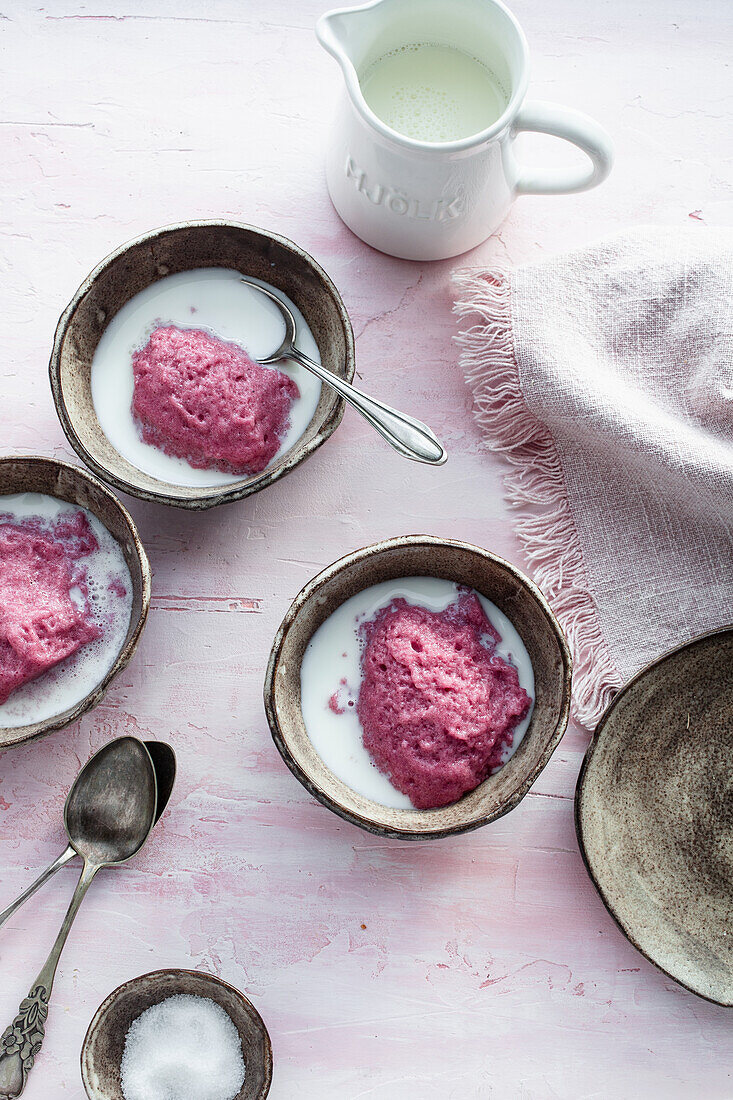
<point x="427" y="200"/>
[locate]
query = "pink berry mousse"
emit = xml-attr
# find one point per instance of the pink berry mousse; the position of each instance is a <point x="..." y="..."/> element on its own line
<point x="437" y="705"/>
<point x="202" y="399"/>
<point x="40" y="625"/>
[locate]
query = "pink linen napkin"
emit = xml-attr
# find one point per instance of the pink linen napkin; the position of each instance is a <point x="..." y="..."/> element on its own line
<point x="605" y="376"/>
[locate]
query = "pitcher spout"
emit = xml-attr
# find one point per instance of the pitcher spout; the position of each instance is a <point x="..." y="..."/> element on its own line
<point x="348" y="34"/>
<point x="332" y="32"/>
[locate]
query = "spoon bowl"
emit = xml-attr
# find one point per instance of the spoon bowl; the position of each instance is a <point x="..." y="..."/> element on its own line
<point x="111" y="807"/>
<point x="164" y="762"/>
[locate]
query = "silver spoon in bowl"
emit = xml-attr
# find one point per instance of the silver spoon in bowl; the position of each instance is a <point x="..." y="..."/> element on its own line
<point x="164" y="763"/>
<point x="108" y="815"/>
<point x="409" y="436"/>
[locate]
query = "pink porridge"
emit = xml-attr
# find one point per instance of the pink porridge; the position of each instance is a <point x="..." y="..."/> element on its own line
<point x="437" y="705"/>
<point x="202" y="399"/>
<point x="40" y="624"/>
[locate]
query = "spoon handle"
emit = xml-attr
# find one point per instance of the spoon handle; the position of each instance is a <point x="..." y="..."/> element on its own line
<point x="44" y="876"/>
<point x="22" y="1040"/>
<point x="409" y="436"/>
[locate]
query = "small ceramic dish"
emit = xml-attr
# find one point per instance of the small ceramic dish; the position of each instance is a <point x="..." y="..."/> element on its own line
<point x="145" y="260"/>
<point x="421" y="555"/>
<point x="69" y="483"/>
<point x="104" y="1044"/>
<point x="654" y="816"/>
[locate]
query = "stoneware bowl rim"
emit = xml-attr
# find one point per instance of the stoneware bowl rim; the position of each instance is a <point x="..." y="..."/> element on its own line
<point x="205" y="978"/>
<point x="311" y="589"/>
<point x="219" y="494"/>
<point x="10" y="736"/>
<point x="580" y="790"/>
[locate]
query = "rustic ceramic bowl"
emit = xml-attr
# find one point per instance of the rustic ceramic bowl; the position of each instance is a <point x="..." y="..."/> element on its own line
<point x="654" y="813"/>
<point x="421" y="555"/>
<point x="59" y="479"/>
<point x="101" y="1053"/>
<point x="136" y="265"/>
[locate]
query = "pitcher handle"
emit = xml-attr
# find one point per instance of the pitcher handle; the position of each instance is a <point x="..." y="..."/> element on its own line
<point x="570" y="125"/>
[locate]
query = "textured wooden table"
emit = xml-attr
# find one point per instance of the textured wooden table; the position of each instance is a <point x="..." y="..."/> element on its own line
<point x="481" y="967"/>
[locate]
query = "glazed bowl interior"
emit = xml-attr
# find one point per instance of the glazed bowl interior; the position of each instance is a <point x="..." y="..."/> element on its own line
<point x="69" y="483"/>
<point x="414" y="556"/>
<point x="144" y="261"/>
<point x="101" y="1053"/>
<point x="653" y="813"/>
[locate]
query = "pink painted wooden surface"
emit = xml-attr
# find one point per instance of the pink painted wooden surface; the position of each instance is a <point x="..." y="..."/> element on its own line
<point x="484" y="966"/>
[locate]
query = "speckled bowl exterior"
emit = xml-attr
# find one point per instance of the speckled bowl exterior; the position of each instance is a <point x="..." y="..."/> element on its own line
<point x="654" y="814"/>
<point x="101" y="1053"/>
<point x="145" y="260"/>
<point x="415" y="556"/>
<point x="59" y="479"/>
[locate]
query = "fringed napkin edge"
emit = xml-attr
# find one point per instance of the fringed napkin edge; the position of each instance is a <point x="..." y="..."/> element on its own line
<point x="535" y="480"/>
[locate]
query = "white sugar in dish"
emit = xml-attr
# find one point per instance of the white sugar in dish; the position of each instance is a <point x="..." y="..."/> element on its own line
<point x="109" y="588"/>
<point x="185" y="1048"/>
<point x="332" y="663"/>
<point x="216" y="301"/>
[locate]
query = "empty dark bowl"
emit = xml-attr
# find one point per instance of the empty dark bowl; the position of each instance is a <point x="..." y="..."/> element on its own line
<point x="144" y="261"/>
<point x="101" y="1053"/>
<point x="415" y="556"/>
<point x="654" y="813"/>
<point x="59" y="479"/>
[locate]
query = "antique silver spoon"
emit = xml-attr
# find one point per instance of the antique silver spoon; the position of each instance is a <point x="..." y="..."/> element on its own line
<point x="108" y="816"/>
<point x="410" y="437"/>
<point x="164" y="762"/>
